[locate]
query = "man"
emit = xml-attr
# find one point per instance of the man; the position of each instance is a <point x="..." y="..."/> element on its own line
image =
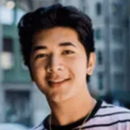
<point x="58" y="48"/>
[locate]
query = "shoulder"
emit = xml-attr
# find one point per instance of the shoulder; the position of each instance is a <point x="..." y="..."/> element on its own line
<point x="111" y="117"/>
<point x="38" y="127"/>
<point x="112" y="111"/>
<point x="42" y="125"/>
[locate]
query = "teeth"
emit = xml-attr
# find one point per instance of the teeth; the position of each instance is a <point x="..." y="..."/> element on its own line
<point x="56" y="81"/>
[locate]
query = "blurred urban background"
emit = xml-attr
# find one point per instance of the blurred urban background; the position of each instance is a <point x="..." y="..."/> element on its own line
<point x="21" y="101"/>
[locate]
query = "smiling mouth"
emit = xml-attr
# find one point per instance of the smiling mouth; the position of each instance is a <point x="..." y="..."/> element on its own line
<point x="57" y="83"/>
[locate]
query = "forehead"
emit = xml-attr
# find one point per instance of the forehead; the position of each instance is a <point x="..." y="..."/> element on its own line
<point x="55" y="36"/>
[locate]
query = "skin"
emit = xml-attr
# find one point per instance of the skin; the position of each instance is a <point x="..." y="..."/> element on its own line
<point x="59" y="67"/>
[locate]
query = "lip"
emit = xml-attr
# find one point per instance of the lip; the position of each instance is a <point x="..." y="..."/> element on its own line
<point x="58" y="83"/>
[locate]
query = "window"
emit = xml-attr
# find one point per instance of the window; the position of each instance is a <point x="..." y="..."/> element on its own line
<point x="118" y="80"/>
<point x="117" y="34"/>
<point x="7" y="54"/>
<point x="7" y="15"/>
<point x="99" y="57"/>
<point x="56" y="1"/>
<point x="118" y="57"/>
<point x="115" y="9"/>
<point x="100" y="80"/>
<point x="17" y="107"/>
<point x="97" y="34"/>
<point x="98" y="8"/>
<point x="8" y="44"/>
<point x="83" y="5"/>
<point x="6" y="60"/>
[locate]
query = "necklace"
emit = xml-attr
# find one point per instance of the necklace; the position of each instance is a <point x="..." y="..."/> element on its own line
<point x="83" y="121"/>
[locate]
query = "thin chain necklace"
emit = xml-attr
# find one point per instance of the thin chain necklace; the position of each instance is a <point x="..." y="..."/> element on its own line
<point x="50" y="120"/>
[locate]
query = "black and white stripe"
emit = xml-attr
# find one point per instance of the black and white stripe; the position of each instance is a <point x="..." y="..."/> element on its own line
<point x="107" y="117"/>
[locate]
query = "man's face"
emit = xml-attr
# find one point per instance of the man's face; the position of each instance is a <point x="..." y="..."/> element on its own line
<point x="59" y="63"/>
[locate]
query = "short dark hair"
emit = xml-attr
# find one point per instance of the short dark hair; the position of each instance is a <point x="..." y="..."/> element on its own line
<point x="54" y="16"/>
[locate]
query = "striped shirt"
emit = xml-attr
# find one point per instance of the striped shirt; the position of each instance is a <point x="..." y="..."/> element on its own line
<point x="103" y="117"/>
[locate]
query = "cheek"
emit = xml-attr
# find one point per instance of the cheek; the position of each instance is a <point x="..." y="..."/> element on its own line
<point x="38" y="70"/>
<point x="39" y="78"/>
<point x="38" y="65"/>
<point x="78" y="66"/>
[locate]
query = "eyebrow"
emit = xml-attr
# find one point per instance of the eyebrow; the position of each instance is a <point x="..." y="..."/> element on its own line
<point x="44" y="47"/>
<point x="67" y="44"/>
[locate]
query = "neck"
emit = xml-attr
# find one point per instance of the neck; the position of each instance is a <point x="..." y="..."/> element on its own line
<point x="73" y="109"/>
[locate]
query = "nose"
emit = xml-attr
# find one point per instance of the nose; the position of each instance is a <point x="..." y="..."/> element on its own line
<point x="55" y="64"/>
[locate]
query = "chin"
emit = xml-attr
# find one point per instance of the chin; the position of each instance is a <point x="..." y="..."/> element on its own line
<point x="60" y="98"/>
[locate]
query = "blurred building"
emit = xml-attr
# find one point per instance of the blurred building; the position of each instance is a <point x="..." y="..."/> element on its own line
<point x="112" y="71"/>
<point x="111" y="30"/>
<point x="20" y="99"/>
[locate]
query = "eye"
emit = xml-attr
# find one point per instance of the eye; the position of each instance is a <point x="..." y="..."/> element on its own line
<point x="68" y="52"/>
<point x="41" y="56"/>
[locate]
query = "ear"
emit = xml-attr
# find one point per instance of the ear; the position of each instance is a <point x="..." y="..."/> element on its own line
<point x="91" y="63"/>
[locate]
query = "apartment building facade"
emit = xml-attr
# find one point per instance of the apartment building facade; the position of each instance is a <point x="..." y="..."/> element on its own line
<point x="22" y="102"/>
